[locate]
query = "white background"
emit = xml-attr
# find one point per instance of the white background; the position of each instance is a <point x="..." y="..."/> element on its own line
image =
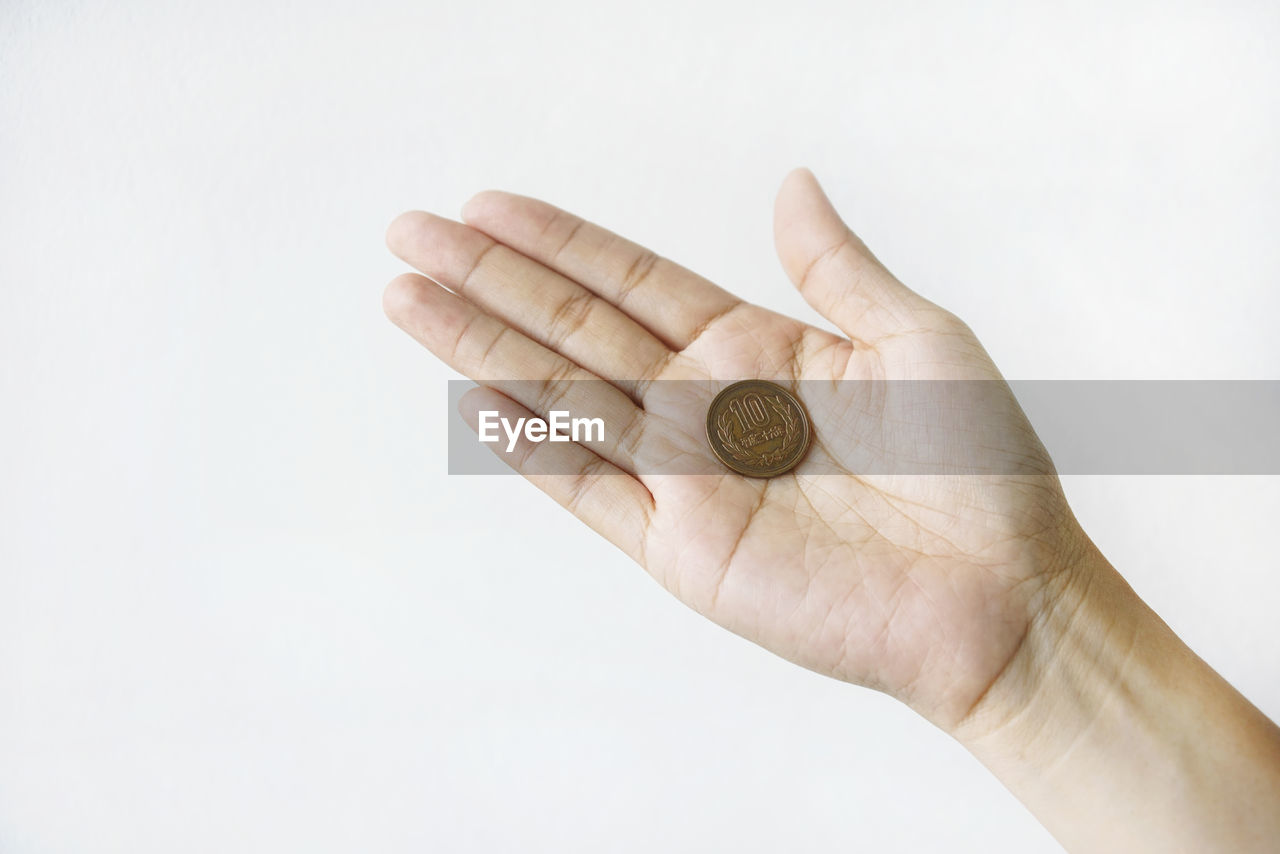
<point x="242" y="607"/>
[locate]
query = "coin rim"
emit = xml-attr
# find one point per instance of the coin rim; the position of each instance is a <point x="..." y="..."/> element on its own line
<point x="733" y="464"/>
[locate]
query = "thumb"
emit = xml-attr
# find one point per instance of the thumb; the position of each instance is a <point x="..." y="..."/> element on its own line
<point x="832" y="268"/>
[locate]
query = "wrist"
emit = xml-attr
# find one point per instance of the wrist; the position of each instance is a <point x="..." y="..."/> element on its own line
<point x="1117" y="736"/>
<point x="1083" y="627"/>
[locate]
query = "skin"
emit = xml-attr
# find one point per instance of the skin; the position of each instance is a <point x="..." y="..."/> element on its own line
<point x="976" y="599"/>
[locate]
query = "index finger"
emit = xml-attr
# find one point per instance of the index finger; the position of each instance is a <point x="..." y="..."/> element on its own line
<point x="674" y="303"/>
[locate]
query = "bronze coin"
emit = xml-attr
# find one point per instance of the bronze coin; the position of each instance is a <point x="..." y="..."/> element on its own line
<point x="758" y="428"/>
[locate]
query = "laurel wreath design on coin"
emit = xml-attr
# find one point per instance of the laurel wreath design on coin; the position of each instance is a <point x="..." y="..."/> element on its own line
<point x="790" y="438"/>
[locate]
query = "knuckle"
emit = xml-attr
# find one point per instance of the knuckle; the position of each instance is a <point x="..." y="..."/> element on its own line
<point x="563" y="243"/>
<point x="554" y="387"/>
<point x="637" y="271"/>
<point x="629" y="439"/>
<point x="466" y="336"/>
<point x="570" y="316"/>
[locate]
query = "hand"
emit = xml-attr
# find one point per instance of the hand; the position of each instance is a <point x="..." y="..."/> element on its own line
<point x="922" y="586"/>
<point x="975" y="598"/>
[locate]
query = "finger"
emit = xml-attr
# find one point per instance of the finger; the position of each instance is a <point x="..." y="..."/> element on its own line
<point x="552" y="310"/>
<point x="612" y="502"/>
<point x="676" y="304"/>
<point x="488" y="351"/>
<point x="832" y="267"/>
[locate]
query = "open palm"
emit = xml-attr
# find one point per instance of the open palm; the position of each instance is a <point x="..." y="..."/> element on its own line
<point x="864" y="563"/>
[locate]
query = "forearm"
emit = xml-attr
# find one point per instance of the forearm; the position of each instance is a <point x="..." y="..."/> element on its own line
<point x="1119" y="738"/>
